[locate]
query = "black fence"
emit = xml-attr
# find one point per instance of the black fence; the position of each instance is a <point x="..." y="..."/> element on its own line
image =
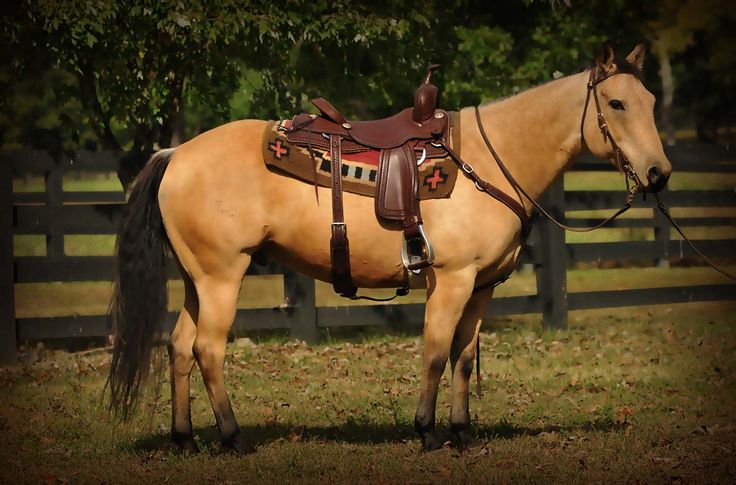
<point x="55" y="213"/>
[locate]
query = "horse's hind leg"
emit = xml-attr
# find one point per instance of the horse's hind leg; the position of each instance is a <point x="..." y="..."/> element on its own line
<point x="447" y="296"/>
<point x="462" y="358"/>
<point x="217" y="303"/>
<point x="182" y="361"/>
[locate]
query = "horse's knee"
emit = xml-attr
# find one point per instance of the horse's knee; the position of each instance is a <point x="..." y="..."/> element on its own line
<point x="181" y="341"/>
<point x="437" y="365"/>
<point x="204" y="350"/>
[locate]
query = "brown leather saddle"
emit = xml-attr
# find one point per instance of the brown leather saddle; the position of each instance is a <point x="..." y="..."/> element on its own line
<point x="404" y="140"/>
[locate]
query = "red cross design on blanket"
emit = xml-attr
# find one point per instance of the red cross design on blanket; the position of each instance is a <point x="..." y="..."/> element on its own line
<point x="279" y="149"/>
<point x="437" y="178"/>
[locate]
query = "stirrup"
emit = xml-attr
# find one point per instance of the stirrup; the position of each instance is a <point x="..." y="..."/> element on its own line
<point x="421" y="254"/>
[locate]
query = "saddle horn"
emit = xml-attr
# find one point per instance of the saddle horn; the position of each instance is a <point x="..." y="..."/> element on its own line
<point x="425" y="98"/>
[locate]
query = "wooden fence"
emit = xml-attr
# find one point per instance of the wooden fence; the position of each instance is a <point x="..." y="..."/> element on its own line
<point x="56" y="213"/>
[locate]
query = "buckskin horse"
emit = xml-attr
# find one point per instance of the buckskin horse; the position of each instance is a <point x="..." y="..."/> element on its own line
<point x="215" y="203"/>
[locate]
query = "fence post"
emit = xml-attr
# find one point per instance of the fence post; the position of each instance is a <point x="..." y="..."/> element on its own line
<point x="552" y="266"/>
<point x="54" y="198"/>
<point x="7" y="268"/>
<point x="661" y="235"/>
<point x="301" y="299"/>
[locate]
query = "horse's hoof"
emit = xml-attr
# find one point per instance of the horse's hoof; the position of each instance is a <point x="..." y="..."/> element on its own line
<point x="185" y="445"/>
<point x="464" y="440"/>
<point x="237" y="445"/>
<point x="430" y="443"/>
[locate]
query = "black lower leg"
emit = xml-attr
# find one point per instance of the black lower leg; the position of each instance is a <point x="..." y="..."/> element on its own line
<point x="424" y="420"/>
<point x="230" y="435"/>
<point x="460" y="411"/>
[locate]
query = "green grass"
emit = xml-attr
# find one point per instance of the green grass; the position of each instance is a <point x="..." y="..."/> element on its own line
<point x="72" y="182"/>
<point x="633" y="395"/>
<point x="92" y="298"/>
<point x="679" y="181"/>
<point x="627" y="395"/>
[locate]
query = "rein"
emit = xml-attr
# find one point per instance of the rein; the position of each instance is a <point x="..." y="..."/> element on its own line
<point x="710" y="263"/>
<point x="621" y="160"/>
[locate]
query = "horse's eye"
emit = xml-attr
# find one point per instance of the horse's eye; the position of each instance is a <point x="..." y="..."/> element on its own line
<point x="616" y="104"/>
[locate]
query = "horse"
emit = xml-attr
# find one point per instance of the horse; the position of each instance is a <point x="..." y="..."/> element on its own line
<point x="216" y="205"/>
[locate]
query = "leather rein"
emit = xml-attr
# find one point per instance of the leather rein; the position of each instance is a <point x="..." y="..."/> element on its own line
<point x="622" y="162"/>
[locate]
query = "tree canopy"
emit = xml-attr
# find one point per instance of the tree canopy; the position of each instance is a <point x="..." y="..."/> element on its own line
<point x="142" y="74"/>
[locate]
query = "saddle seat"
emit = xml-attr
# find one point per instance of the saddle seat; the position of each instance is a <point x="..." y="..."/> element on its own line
<point x="358" y="135"/>
<point x="404" y="140"/>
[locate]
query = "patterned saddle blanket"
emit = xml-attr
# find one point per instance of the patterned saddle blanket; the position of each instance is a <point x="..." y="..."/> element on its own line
<point x="437" y="177"/>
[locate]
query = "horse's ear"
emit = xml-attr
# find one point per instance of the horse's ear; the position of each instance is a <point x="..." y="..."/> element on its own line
<point x="636" y="56"/>
<point x="605" y="58"/>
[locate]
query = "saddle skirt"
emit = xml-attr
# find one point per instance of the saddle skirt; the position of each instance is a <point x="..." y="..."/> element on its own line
<point x="437" y="176"/>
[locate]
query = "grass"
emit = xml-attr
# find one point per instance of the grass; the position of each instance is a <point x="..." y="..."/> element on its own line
<point x="631" y="395"/>
<point x="627" y="395"/>
<point x="92" y="298"/>
<point x="679" y="181"/>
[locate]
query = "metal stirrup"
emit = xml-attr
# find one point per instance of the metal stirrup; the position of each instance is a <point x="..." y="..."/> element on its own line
<point x="429" y="252"/>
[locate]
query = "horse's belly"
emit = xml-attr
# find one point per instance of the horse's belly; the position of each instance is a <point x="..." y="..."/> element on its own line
<point x="300" y="232"/>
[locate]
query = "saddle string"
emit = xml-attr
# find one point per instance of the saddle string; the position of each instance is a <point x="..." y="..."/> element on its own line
<point x="298" y="127"/>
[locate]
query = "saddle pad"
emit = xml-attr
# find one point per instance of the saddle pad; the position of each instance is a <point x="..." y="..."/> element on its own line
<point x="359" y="170"/>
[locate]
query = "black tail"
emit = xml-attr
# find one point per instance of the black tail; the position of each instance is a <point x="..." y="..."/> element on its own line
<point x="139" y="300"/>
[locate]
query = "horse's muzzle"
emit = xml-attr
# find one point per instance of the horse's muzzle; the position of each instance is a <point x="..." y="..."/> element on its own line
<point x="657" y="179"/>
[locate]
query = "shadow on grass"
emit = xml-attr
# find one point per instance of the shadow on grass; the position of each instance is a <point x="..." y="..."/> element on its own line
<point x="364" y="433"/>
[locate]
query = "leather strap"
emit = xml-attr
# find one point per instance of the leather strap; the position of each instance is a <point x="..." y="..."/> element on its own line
<point x="710" y="263"/>
<point x="493" y="191"/>
<point x="541" y="209"/>
<point x="329" y="111"/>
<point x="342" y="282"/>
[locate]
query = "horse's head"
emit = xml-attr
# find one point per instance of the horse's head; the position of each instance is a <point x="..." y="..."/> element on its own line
<point x="628" y="113"/>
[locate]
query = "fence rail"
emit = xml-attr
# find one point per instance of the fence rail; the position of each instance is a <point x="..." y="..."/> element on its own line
<point x="55" y="213"/>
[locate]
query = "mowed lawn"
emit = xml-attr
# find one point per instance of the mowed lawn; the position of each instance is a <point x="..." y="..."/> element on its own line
<point x="641" y="395"/>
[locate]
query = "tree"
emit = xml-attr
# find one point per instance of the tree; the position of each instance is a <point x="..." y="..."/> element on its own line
<point x="135" y="63"/>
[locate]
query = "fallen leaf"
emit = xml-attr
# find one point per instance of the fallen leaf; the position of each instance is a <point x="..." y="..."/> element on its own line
<point x="296" y="434"/>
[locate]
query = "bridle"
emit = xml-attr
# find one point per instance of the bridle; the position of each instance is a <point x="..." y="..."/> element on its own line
<point x="596" y="77"/>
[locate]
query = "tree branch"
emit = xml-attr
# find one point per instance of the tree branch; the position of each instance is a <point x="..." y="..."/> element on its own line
<point x="100" y="119"/>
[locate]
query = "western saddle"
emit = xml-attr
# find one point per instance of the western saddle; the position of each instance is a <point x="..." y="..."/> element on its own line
<point x="404" y="141"/>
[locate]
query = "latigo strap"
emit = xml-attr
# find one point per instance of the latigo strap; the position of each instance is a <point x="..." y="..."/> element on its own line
<point x="342" y="282"/>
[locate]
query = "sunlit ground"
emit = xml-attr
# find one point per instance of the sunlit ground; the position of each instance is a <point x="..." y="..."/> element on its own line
<point x="631" y="395"/>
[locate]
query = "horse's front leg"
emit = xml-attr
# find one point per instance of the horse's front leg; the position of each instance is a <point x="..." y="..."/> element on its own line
<point x="446" y="297"/>
<point x="462" y="357"/>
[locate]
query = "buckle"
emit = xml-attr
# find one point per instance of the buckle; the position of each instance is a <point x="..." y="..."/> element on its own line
<point x="467" y="168"/>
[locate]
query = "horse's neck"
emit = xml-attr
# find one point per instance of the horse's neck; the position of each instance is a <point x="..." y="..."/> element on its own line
<point x="537" y="133"/>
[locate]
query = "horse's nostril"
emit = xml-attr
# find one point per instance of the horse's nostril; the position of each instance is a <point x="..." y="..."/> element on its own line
<point x="654" y="174"/>
<point x="657" y="179"/>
